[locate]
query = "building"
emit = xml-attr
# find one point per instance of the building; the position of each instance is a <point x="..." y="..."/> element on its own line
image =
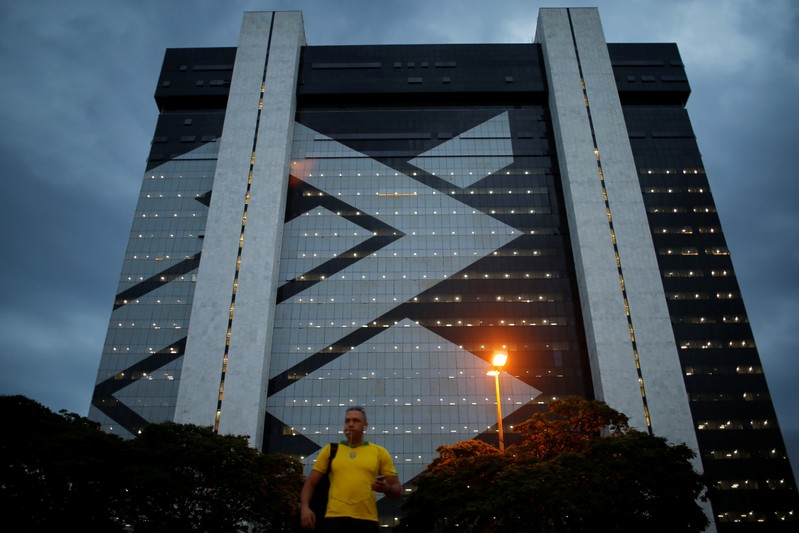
<point x="325" y="226"/>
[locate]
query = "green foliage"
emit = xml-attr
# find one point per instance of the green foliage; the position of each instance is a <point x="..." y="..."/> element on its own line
<point x="61" y="471"/>
<point x="579" y="468"/>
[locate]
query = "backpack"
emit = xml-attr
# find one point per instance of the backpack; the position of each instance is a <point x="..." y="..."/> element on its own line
<point x="318" y="503"/>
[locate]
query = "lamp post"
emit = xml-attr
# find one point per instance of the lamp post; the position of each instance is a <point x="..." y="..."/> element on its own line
<point x="498" y="361"/>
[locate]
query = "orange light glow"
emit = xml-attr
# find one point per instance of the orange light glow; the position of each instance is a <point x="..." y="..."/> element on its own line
<point x="499" y="360"/>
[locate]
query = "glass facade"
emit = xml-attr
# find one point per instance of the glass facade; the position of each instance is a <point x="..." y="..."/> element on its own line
<point x="139" y="372"/>
<point x="419" y="239"/>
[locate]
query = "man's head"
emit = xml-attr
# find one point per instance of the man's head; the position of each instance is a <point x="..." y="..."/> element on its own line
<point x="355" y="423"/>
<point x="358" y="409"/>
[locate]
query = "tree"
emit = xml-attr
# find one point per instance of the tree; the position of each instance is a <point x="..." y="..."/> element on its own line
<point x="652" y="484"/>
<point x="459" y="450"/>
<point x="183" y="477"/>
<point x="449" y="493"/>
<point x="571" y="424"/>
<point x="61" y="472"/>
<point x="55" y="472"/>
<point x="578" y="468"/>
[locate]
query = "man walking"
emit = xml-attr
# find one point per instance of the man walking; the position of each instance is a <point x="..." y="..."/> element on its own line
<point x="358" y="470"/>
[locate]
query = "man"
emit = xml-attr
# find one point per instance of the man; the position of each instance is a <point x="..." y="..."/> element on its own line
<point x="358" y="470"/>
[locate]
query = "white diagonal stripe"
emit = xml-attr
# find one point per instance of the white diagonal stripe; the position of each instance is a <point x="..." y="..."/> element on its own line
<point x="457" y="160"/>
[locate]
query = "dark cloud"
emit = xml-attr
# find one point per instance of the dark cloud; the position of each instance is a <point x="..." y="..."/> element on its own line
<point x="77" y="116"/>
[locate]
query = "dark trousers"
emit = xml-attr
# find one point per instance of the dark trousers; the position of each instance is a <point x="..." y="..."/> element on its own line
<point x="350" y="525"/>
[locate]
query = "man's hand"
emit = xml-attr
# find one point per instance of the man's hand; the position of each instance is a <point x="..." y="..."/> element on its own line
<point x="388" y="485"/>
<point x="307" y="518"/>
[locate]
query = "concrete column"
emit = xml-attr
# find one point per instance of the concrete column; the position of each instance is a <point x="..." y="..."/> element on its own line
<point x="575" y="50"/>
<point x="269" y="45"/>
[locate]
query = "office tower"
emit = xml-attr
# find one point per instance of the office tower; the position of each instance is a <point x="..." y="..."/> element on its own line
<point x="327" y="226"/>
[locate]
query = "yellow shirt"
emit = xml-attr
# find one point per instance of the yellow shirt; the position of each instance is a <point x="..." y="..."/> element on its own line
<point x="352" y="472"/>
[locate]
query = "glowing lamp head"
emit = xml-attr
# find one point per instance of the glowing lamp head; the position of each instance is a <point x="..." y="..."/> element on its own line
<point x="499" y="360"/>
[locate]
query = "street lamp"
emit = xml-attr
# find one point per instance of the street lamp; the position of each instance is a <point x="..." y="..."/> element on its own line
<point x="499" y="360"/>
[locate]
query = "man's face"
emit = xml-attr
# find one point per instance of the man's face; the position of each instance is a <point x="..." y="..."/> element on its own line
<point x="354" y="424"/>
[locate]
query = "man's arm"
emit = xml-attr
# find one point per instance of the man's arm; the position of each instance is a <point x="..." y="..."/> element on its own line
<point x="307" y="516"/>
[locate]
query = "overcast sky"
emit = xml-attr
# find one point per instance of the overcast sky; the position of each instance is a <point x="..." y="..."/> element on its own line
<point x="77" y="116"/>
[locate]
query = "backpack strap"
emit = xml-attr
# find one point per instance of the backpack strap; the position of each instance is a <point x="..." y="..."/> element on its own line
<point x="333" y="450"/>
